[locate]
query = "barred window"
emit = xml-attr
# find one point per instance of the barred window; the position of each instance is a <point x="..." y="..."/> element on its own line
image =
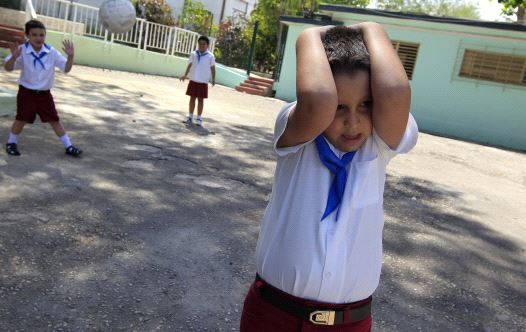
<point x="495" y="67"/>
<point x="407" y="52"/>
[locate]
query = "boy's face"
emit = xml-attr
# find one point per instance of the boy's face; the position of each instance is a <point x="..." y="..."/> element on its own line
<point x="37" y="37"/>
<point x="202" y="46"/>
<point x="352" y="124"/>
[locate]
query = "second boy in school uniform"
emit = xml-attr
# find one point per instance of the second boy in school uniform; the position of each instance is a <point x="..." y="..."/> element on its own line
<point x="201" y="65"/>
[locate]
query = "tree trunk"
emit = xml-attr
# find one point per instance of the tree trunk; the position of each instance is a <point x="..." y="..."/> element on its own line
<point x="520" y="16"/>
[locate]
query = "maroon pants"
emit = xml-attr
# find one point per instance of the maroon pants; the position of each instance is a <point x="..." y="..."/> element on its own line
<point x="261" y="316"/>
<point x="30" y="103"/>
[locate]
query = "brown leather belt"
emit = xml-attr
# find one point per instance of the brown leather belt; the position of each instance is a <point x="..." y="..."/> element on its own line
<point x="315" y="315"/>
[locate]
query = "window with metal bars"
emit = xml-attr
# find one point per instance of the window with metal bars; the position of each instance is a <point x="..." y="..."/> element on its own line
<point x="407" y="52"/>
<point x="494" y="67"/>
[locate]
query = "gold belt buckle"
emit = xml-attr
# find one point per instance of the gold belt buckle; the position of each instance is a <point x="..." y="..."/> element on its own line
<point x="322" y="317"/>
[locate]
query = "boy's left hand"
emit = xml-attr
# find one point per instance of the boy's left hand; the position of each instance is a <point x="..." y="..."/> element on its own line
<point x="68" y="48"/>
<point x="213" y="82"/>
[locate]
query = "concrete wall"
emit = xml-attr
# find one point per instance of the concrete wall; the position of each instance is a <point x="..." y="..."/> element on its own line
<point x="18" y="18"/>
<point x="97" y="53"/>
<point x="442" y="102"/>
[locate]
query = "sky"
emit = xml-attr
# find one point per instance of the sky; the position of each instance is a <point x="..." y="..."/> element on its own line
<point x="489" y="10"/>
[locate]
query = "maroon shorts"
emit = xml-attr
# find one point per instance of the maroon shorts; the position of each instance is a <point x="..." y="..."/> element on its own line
<point x="29" y="103"/>
<point x="260" y="316"/>
<point x="199" y="90"/>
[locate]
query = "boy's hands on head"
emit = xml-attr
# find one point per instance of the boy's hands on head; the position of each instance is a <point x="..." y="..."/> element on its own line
<point x="68" y="48"/>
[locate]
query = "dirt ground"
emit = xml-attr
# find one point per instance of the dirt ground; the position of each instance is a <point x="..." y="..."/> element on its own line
<point x="154" y="228"/>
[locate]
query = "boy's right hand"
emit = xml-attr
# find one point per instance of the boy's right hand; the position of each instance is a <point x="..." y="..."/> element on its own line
<point x="182" y="78"/>
<point x="15" y="50"/>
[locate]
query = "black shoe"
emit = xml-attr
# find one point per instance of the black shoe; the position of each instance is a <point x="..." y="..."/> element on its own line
<point x="12" y="149"/>
<point x="73" y="151"/>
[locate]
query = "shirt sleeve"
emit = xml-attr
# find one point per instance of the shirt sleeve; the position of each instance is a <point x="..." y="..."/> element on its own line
<point x="60" y="60"/>
<point x="407" y="143"/>
<point x="281" y="124"/>
<point x="212" y="60"/>
<point x="191" y="58"/>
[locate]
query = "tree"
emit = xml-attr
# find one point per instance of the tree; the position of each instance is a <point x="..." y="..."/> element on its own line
<point x="157" y="11"/>
<point x="450" y="8"/>
<point x="231" y="44"/>
<point x="267" y="12"/>
<point x="195" y="17"/>
<point x="517" y="7"/>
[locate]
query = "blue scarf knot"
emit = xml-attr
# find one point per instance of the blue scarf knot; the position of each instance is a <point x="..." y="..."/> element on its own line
<point x="38" y="59"/>
<point x="199" y="55"/>
<point x="338" y="167"/>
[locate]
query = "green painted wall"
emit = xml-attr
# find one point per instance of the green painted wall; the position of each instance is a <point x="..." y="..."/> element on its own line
<point x="443" y="103"/>
<point x="97" y="53"/>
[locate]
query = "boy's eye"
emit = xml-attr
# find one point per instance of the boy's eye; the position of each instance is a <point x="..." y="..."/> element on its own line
<point x="366" y="104"/>
<point x="340" y="107"/>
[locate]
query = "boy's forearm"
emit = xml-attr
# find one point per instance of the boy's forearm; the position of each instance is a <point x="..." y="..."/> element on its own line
<point x="315" y="85"/>
<point x="187" y="69"/>
<point x="390" y="87"/>
<point x="69" y="64"/>
<point x="213" y="70"/>
<point x="387" y="72"/>
<point x="10" y="64"/>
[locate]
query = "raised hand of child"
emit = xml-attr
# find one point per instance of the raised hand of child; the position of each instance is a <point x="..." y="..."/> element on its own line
<point x="68" y="48"/>
<point x="15" y="50"/>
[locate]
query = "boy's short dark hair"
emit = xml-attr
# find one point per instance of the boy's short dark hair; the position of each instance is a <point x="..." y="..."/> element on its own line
<point x="205" y="38"/>
<point x="346" y="50"/>
<point x="34" y="24"/>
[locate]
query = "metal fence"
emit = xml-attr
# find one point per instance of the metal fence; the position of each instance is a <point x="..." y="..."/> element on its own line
<point x="145" y="35"/>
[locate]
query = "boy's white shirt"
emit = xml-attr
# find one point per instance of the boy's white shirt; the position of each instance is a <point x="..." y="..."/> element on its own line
<point x="200" y="71"/>
<point x="33" y="76"/>
<point x="328" y="261"/>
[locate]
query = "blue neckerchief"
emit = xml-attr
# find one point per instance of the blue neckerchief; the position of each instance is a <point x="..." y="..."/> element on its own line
<point x="38" y="59"/>
<point x="337" y="167"/>
<point x="199" y="55"/>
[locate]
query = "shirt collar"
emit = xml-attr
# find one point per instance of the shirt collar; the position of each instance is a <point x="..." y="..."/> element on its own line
<point x="336" y="151"/>
<point x="29" y="48"/>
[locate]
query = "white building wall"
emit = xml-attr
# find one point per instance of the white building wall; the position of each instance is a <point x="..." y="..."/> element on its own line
<point x="231" y="6"/>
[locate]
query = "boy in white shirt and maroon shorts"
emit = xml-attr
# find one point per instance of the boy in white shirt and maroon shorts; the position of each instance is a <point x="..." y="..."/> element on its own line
<point x="201" y="65"/>
<point x="319" y="251"/>
<point x="37" y="60"/>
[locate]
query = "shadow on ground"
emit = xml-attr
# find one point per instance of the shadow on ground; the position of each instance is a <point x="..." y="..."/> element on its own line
<point x="155" y="229"/>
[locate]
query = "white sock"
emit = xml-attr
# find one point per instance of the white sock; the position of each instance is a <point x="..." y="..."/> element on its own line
<point x="65" y="140"/>
<point x="199" y="117"/>
<point x="190" y="115"/>
<point x="12" y="138"/>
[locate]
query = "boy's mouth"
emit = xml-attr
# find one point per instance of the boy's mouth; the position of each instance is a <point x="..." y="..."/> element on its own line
<point x="352" y="138"/>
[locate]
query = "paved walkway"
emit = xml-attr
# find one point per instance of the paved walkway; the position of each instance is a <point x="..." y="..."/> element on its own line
<point x="155" y="227"/>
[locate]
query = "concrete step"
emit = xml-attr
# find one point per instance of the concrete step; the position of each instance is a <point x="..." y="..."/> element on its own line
<point x="259" y="83"/>
<point x="250" y="91"/>
<point x="262" y="79"/>
<point x="248" y="84"/>
<point x="10" y="35"/>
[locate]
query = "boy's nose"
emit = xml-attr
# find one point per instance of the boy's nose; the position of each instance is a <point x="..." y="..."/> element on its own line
<point x="352" y="119"/>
